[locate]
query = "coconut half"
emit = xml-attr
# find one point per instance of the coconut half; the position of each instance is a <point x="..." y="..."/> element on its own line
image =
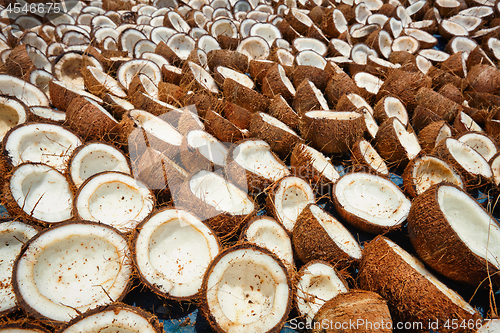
<point x="115" y="199"/>
<point x="287" y="198"/>
<point x="318" y="282"/>
<point x="31" y="191"/>
<point x="455" y="235"/>
<point x="481" y="143"/>
<point x="172" y="251"/>
<point x="425" y="171"/>
<point x="200" y="150"/>
<point x="71" y="268"/>
<point x="369" y="202"/>
<point x="95" y="157"/>
<point x="395" y="143"/>
<point x="119" y="317"/>
<point x="364" y="155"/>
<point x="246" y="289"/>
<point x="13" y="235"/>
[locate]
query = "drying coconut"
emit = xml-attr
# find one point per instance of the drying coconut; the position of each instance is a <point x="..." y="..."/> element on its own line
<point x="13" y="113"/>
<point x="440" y="229"/>
<point x="38" y="142"/>
<point x="277" y="83"/>
<point x="170" y="93"/>
<point x="172" y="250"/>
<point x="390" y="106"/>
<point x="143" y="101"/>
<point x="22" y="328"/>
<point x="404" y="85"/>
<point x="141" y="82"/>
<point x="24" y="59"/>
<point x="222" y="128"/>
<point x="436" y="102"/>
<point x="480" y="142"/>
<point x="200" y="150"/>
<point x="196" y="78"/>
<point x="365" y="156"/>
<point x="312" y="165"/>
<point x="451" y="92"/>
<point x="213" y="199"/>
<point x="471" y="165"/>
<point x="333" y="242"/>
<point x="281" y="110"/>
<point x="99" y="83"/>
<point x="314" y="73"/>
<point x="495" y="167"/>
<point x="66" y="68"/>
<point x="365" y="308"/>
<point x="308" y="97"/>
<point x="395" y="143"/>
<point x="13" y="235"/>
<point x="190" y="120"/>
<point x="332" y="132"/>
<point x="484" y="79"/>
<point x="81" y="265"/>
<point x="258" y="69"/>
<point x="222" y="72"/>
<point x="246" y="288"/>
<point x="252" y="166"/>
<point x="62" y="94"/>
<point x="171" y="74"/>
<point x="94" y="157"/>
<point x="243" y="96"/>
<point x="424" y="171"/>
<point x="231" y="59"/>
<point x="423" y="117"/>
<point x="128" y="70"/>
<point x="266" y="232"/>
<point x="413" y="293"/>
<point x="370" y="202"/>
<point x="279" y="136"/>
<point x="45" y="114"/>
<point x="433" y="134"/>
<point x="456" y="64"/>
<point x="380" y="41"/>
<point x="340" y="84"/>
<point x="287" y="198"/>
<point x="115" y="199"/>
<point x="116" y="316"/>
<point x="83" y="114"/>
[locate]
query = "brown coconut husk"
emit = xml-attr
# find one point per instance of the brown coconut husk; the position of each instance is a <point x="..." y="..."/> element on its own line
<point x="273" y="84"/>
<point x="258" y="69"/>
<point x="441" y="77"/>
<point x="455" y="65"/>
<point x="19" y="63"/>
<point x="362" y="162"/>
<point x="410" y="296"/>
<point x="281" y="110"/>
<point x="340" y="84"/>
<point x="318" y="76"/>
<point x="367" y="308"/>
<point x="236" y="114"/>
<point x="388" y="145"/>
<point x="324" y="247"/>
<point x="222" y="128"/>
<point x="379" y="111"/>
<point x="228" y="58"/>
<point x="143" y="101"/>
<point x="427" y="136"/>
<point x="437" y="103"/>
<point x="451" y="92"/>
<point x="422" y="117"/>
<point x="170" y="75"/>
<point x="244" y="96"/>
<point x="484" y="79"/>
<point x="170" y="93"/>
<point x="165" y="51"/>
<point x="202" y="101"/>
<point x="190" y="120"/>
<point x="305" y="99"/>
<point x="481" y="100"/>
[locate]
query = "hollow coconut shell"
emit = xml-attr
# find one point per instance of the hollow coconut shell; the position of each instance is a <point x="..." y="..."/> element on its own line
<point x="365" y="158"/>
<point x="404" y="85"/>
<point x="237" y="115"/>
<point x="195" y="157"/>
<point x="308" y="97"/>
<point x="316" y="75"/>
<point x="332" y="131"/>
<point x="423" y="117"/>
<point x="413" y="294"/>
<point x="332" y="241"/>
<point x="366" y="308"/>
<point x="432" y="134"/>
<point x="438" y="243"/>
<point x="437" y="103"/>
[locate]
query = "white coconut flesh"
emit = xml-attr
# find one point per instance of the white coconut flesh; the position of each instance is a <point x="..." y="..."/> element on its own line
<point x="319" y="96"/>
<point x="236" y="76"/>
<point x="38" y="58"/>
<point x="38" y="142"/>
<point x="114" y="199"/>
<point x="292" y="196"/>
<point x="482" y="144"/>
<point x="340" y="21"/>
<point x="342" y="47"/>
<point x="149" y="86"/>
<point x="67" y="68"/>
<point x="26" y="92"/>
<point x="337" y="232"/>
<point x="129" y="38"/>
<point x="378" y="19"/>
<point x="420" y="268"/>
<point x="434" y="55"/>
<point x="73" y="268"/>
<point x="372" y="198"/>
<point x="322" y="163"/>
<point x="128" y="70"/>
<point x="394" y="108"/>
<point x="265" y="30"/>
<point x="267" y="233"/>
<point x="208" y="146"/>
<point x="12" y="113"/>
<point x="107" y="81"/>
<point x="101" y="109"/>
<point x="368" y="81"/>
<point x="495" y="167"/>
<point x="479" y="11"/>
<point x="491" y="326"/>
<point x="178" y="22"/>
<point x="36" y="187"/>
<point x="254" y="47"/>
<point x="256" y="157"/>
<point x="444" y="132"/>
<point x="220" y="194"/>
<point x="382" y="62"/>
<point x="284" y="57"/>
<point x="370" y="122"/>
<point x="470" y="23"/>
<point x="318" y="284"/>
<point x="408" y="140"/>
<point x="469" y="123"/>
<point x="359" y="102"/>
<point x="126" y="105"/>
<point x="360" y="53"/>
<point x="156" y="127"/>
<point x="13" y="235"/>
<point x="247" y="291"/>
<point x="224" y="27"/>
<point x="429" y="170"/>
<point x="473" y="225"/>
<point x="116" y="319"/>
<point x="310" y="58"/>
<point x="468" y="158"/>
<point x="338" y="115"/>
<point x="304" y="43"/>
<point x="173" y="251"/>
<point x="276" y="123"/>
<point x="95" y="158"/>
<point x="203" y="77"/>
<point x="182" y="45"/>
<point x="372" y="157"/>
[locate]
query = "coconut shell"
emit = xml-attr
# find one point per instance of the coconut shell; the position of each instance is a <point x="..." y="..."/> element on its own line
<point x="236" y="114"/>
<point x="221" y="128"/>
<point x="288" y="33"/>
<point x="379" y="111"/>
<point x="410" y="296"/>
<point x="273" y="84"/>
<point x="143" y="101"/>
<point x="19" y="63"/>
<point x="228" y="42"/>
<point x="340" y="84"/>
<point x="88" y="121"/>
<point x="258" y="69"/>
<point x="437" y="103"/>
<point x="427" y="137"/>
<point x="360" y="162"/>
<point x="189" y="121"/>
<point x="245" y="97"/>
<point x="345" y="104"/>
<point x="323" y="247"/>
<point x="228" y="58"/>
<point x="422" y="117"/>
<point x="60" y="96"/>
<point x="316" y="75"/>
<point x="170" y="75"/>
<point x="328" y="25"/>
<point x="388" y="145"/>
<point x="109" y="102"/>
<point x="305" y="99"/>
<point x="165" y="51"/>
<point x="481" y="100"/>
<point x="202" y="101"/>
<point x="484" y="78"/>
<point x="440" y="247"/>
<point x="170" y="93"/>
<point x="451" y="92"/>
<point x="478" y="56"/>
<point x="440" y="78"/>
<point x="404" y="85"/>
<point x="281" y="141"/>
<point x="279" y="109"/>
<point x="332" y="135"/>
<point x="455" y="65"/>
<point x="367" y="308"/>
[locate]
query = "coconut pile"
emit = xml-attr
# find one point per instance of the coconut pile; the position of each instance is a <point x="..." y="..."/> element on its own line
<point x="293" y="163"/>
